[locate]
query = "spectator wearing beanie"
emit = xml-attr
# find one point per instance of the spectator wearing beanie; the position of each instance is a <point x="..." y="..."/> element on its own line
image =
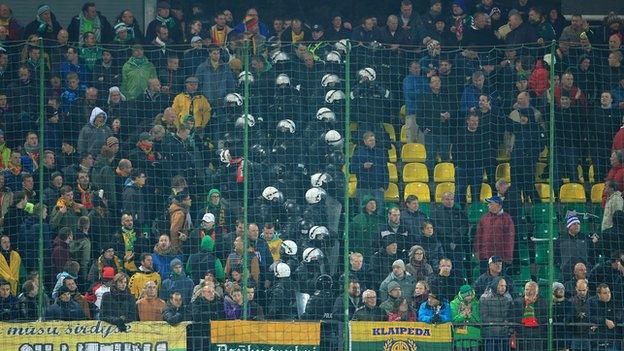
<point x="10" y="263"/>
<point x="398" y="275"/>
<point x="64" y="309"/>
<point x="465" y="309"/>
<point x="177" y="282"/>
<point x="44" y="24"/>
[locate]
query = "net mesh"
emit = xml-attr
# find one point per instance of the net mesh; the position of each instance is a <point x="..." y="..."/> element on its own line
<point x="282" y="187"/>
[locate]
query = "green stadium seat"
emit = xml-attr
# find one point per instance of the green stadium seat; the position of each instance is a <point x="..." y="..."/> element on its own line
<point x="475" y="211"/>
<point x="540" y="213"/>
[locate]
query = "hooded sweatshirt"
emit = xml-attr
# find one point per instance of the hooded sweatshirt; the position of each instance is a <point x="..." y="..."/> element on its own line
<point x="420" y="270"/>
<point x="200" y="263"/>
<point x="92" y="137"/>
<point x="365" y="228"/>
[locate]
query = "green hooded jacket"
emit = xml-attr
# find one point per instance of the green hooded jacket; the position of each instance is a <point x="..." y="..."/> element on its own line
<point x="466" y="336"/>
<point x="207" y="246"/>
<point x="365" y="230"/>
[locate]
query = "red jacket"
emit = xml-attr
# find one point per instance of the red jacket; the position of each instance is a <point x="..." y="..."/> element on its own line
<point x="60" y="254"/>
<point x="538" y="81"/>
<point x="495" y="237"/>
<point x="618" y="140"/>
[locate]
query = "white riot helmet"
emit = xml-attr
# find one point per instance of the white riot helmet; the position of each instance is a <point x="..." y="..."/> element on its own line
<point x="279" y="56"/>
<point x="240" y="121"/>
<point x="286" y="125"/>
<point x="329" y="79"/>
<point x="289" y="247"/>
<point x="343" y="45"/>
<point x="367" y="73"/>
<point x="334" y="95"/>
<point x="318" y="232"/>
<point x="312" y="254"/>
<point x="225" y="156"/>
<point x="333" y="57"/>
<point x="333" y="138"/>
<point x="271" y="193"/>
<point x="243" y="74"/>
<point x="325" y="114"/>
<point x="234" y="99"/>
<point x="282" y="79"/>
<point x="320" y="179"/>
<point x="281" y="270"/>
<point x="315" y="195"/>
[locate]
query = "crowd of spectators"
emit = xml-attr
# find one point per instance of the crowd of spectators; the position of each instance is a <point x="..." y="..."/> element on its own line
<point x="144" y="171"/>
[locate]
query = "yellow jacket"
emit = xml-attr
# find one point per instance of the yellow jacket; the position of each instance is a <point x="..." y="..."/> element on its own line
<point x="201" y="108"/>
<point x="138" y="280"/>
<point x="11" y="272"/>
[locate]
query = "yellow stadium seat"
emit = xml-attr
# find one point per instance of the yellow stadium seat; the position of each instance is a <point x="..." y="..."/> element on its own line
<point x="392" y="194"/>
<point x="544" y="154"/>
<point x="413" y="152"/>
<point x="353" y="126"/>
<point x="484" y="193"/>
<point x="402" y="112"/>
<point x="572" y="192"/>
<point x="503" y="171"/>
<point x="352" y="188"/>
<point x="393" y="173"/>
<point x="540" y="167"/>
<point x="352" y="177"/>
<point x="389" y="128"/>
<point x="591" y="174"/>
<point x="415" y="172"/>
<point x="404" y="134"/>
<point x="421" y="190"/>
<point x="351" y="149"/>
<point x="392" y="154"/>
<point x="442" y="188"/>
<point x="444" y="172"/>
<point x="596" y="192"/>
<point x="543" y="190"/>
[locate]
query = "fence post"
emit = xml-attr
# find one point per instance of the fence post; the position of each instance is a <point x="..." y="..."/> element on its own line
<point x="551" y="205"/>
<point x="347" y="151"/>
<point x="245" y="180"/>
<point x="40" y="296"/>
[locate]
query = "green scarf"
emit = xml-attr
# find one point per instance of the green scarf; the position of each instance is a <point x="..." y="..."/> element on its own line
<point x="129" y="237"/>
<point x="139" y="62"/>
<point x="167" y="22"/>
<point x="96" y="27"/>
<point x="91" y="55"/>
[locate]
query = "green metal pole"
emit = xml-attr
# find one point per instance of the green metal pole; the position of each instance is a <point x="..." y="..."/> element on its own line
<point x="41" y="169"/>
<point x="347" y="151"/>
<point x="551" y="205"/>
<point x="245" y="181"/>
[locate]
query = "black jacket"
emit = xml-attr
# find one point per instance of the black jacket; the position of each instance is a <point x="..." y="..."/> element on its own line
<point x="319" y="306"/>
<point x="118" y="307"/>
<point x="9" y="308"/>
<point x="174" y="315"/>
<point x="282" y="302"/>
<point x="64" y="311"/>
<point x="365" y="313"/>
<point x="599" y="312"/>
<point x="204" y="311"/>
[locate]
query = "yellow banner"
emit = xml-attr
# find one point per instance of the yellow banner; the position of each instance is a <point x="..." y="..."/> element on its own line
<point x="91" y="336"/>
<point x="381" y="331"/>
<point x="267" y="333"/>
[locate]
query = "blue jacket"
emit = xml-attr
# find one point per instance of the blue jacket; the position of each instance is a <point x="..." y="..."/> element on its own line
<point x="162" y="263"/>
<point x="177" y="283"/>
<point x="426" y="313"/>
<point x="215" y="84"/>
<point x="375" y="177"/>
<point x="413" y="86"/>
<point x="262" y="28"/>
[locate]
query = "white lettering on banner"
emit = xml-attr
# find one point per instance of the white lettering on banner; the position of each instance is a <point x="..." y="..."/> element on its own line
<point x="95" y="346"/>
